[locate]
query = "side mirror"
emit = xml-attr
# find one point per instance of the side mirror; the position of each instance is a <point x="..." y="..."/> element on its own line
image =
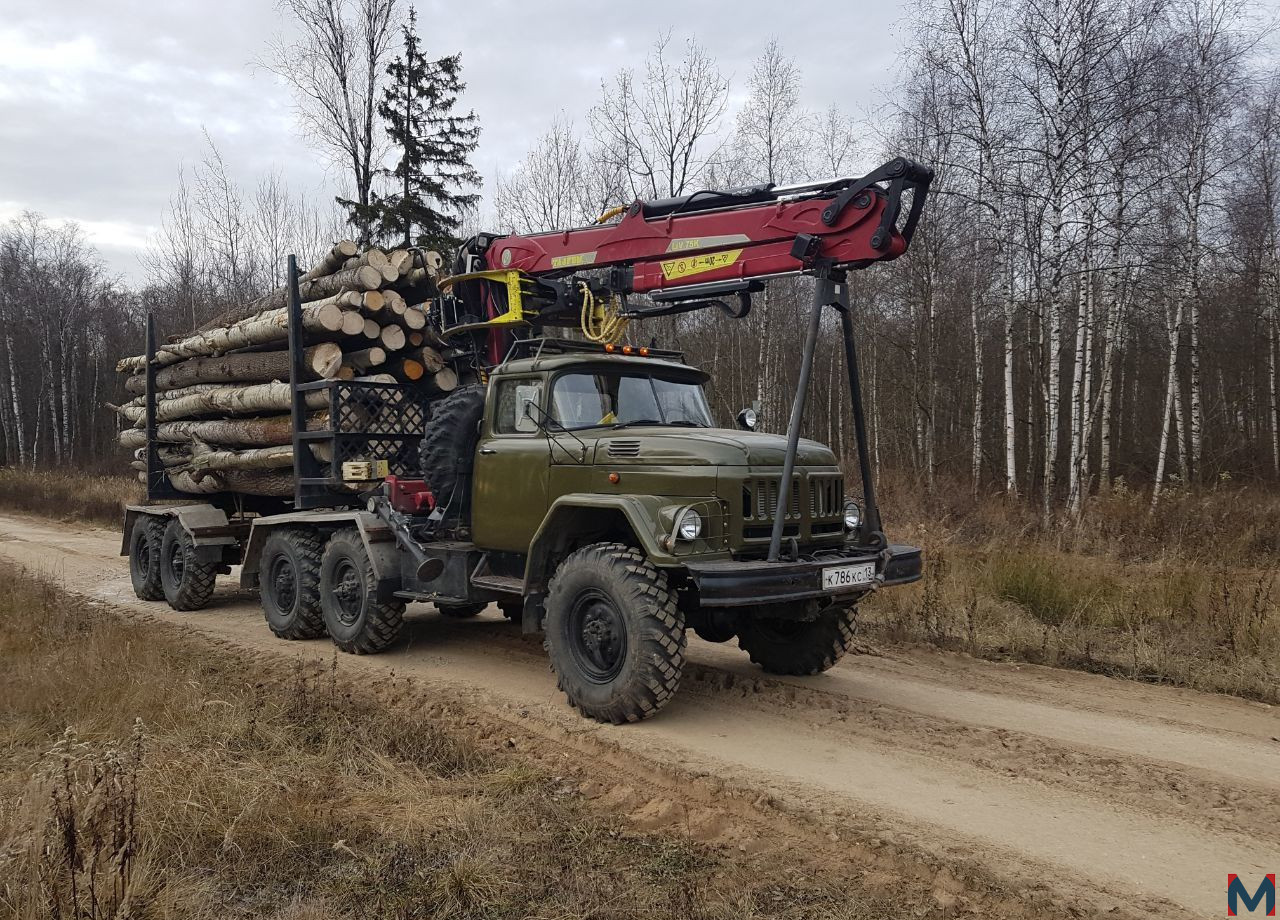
<point x="748" y="419"/>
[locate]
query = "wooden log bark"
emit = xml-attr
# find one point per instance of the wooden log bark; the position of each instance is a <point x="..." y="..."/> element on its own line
<point x="255" y="399"/>
<point x="372" y="256"/>
<point x="271" y="431"/>
<point x="402" y="259"/>
<point x="320" y="361"/>
<point x="431" y="359"/>
<point x="332" y="260"/>
<point x="272" y="326"/>
<point x="365" y="358"/>
<point x="204" y="457"/>
<point x="364" y="278"/>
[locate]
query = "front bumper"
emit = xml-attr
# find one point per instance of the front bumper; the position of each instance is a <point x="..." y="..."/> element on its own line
<point x="750" y="582"/>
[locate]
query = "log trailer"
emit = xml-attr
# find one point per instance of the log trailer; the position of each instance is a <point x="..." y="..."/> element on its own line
<point x="581" y="485"/>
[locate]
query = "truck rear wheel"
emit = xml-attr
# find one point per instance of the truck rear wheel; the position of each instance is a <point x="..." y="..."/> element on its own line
<point x="144" y="558"/>
<point x="356" y="620"/>
<point x="289" y="583"/>
<point x="187" y="582"/>
<point x="614" y="634"/>
<point x="783" y="645"/>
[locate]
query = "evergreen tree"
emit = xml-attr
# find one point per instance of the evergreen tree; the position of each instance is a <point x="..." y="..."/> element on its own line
<point x="433" y="181"/>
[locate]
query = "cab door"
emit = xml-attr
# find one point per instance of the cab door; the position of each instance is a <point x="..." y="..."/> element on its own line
<point x="509" y="495"/>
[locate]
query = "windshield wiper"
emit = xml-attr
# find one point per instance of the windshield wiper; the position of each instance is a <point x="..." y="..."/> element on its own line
<point x="683" y="423"/>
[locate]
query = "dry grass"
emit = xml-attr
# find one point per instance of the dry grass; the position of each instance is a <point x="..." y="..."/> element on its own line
<point x="1187" y="595"/>
<point x="145" y="775"/>
<point x="68" y="495"/>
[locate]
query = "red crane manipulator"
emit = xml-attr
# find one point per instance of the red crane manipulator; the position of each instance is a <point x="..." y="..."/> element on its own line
<point x="711" y="248"/>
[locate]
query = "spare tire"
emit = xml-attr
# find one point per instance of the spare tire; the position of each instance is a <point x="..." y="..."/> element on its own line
<point x="448" y="449"/>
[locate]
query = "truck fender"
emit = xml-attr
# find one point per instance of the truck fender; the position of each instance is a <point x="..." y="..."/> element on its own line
<point x="208" y="527"/>
<point x="379" y="543"/>
<point x="616" y="517"/>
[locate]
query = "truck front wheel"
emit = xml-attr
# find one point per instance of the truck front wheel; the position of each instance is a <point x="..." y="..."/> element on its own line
<point x="289" y="583"/>
<point x="187" y="582"/>
<point x="786" y="645"/>
<point x="356" y="620"/>
<point x="614" y="634"/>
<point x="144" y="558"/>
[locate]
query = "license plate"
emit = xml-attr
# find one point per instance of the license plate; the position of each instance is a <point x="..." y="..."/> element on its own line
<point x="837" y="577"/>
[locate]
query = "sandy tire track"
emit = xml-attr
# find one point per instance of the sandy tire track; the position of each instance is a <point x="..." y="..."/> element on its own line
<point x="999" y="789"/>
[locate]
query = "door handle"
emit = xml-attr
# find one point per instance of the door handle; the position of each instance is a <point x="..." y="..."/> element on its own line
<point x="487" y="451"/>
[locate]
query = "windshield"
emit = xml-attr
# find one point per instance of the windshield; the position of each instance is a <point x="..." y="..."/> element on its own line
<point x="609" y="399"/>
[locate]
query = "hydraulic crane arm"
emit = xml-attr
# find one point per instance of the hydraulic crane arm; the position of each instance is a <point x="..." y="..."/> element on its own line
<point x="689" y="252"/>
<point x="744" y="233"/>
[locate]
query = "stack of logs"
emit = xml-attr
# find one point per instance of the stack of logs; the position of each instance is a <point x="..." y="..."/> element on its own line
<point x="222" y="392"/>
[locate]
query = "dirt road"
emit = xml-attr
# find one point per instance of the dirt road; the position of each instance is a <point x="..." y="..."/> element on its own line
<point x="1024" y="789"/>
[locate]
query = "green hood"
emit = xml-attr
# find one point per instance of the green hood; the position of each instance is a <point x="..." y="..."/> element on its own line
<point x="657" y="444"/>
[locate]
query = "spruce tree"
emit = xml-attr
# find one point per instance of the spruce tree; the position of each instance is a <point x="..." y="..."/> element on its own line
<point x="433" y="182"/>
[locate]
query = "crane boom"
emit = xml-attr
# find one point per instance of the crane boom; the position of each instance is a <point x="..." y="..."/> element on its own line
<point x="711" y="248"/>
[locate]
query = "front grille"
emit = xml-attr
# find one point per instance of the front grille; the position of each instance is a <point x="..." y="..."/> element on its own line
<point x="826" y="495"/>
<point x="760" y="498"/>
<point x="815" y="506"/>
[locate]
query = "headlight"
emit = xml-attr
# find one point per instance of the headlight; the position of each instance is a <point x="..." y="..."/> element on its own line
<point x="852" y="515"/>
<point x="689" y="526"/>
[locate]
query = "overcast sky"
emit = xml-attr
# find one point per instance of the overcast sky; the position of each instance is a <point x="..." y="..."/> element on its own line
<point x="101" y="101"/>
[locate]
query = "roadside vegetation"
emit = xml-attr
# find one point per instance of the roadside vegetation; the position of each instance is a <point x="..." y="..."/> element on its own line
<point x="143" y="774"/>
<point x="64" y="495"/>
<point x="1188" y="594"/>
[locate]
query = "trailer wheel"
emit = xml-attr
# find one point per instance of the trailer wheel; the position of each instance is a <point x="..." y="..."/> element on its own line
<point x="448" y="448"/>
<point x="356" y="620"/>
<point x="791" y="646"/>
<point x="144" y="557"/>
<point x="614" y="634"/>
<point x="289" y="583"/>
<point x="460" y="611"/>
<point x="187" y="582"/>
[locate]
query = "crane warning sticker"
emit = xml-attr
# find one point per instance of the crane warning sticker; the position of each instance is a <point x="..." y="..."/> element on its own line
<point x="673" y="269"/>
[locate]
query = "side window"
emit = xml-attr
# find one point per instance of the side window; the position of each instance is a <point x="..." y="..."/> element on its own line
<point x="513" y="397"/>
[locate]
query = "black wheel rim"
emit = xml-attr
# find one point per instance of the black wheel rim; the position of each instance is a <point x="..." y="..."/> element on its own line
<point x="348" y="592"/>
<point x="597" y="636"/>
<point x="283" y="582"/>
<point x="145" y="562"/>
<point x="177" y="560"/>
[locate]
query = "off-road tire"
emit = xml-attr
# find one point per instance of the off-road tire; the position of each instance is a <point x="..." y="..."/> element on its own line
<point x="460" y="611"/>
<point x="356" y="620"/>
<point x="144" y="557"/>
<point x="289" y="583"/>
<point x="187" y="582"/>
<point x="800" y="647"/>
<point x="447" y="450"/>
<point x="616" y="585"/>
